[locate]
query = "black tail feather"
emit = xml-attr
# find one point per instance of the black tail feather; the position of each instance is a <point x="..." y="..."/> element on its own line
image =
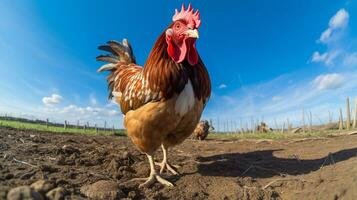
<point x="108" y="58"/>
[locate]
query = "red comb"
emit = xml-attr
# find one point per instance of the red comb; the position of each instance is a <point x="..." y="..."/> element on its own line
<point x="192" y="18"/>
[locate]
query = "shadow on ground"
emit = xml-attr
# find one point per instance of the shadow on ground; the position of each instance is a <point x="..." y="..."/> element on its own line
<point x="263" y="164"/>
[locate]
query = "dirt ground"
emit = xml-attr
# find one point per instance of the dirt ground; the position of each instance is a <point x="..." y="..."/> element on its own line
<point x="320" y="168"/>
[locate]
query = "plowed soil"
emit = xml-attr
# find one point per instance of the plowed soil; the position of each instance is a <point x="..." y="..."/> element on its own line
<point x="312" y="168"/>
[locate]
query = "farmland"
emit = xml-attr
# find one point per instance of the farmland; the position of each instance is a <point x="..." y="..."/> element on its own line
<point x="57" y="129"/>
<point x="226" y="166"/>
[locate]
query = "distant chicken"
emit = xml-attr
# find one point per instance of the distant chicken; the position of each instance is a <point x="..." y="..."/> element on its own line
<point x="202" y="129"/>
<point x="162" y="101"/>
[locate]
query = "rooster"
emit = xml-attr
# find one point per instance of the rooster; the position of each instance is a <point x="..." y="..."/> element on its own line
<point x="162" y="101"/>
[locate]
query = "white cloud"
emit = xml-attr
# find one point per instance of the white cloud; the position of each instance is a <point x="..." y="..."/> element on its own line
<point x="52" y="100"/>
<point x="338" y="22"/>
<point x="317" y="57"/>
<point x="74" y="114"/>
<point x="328" y="58"/>
<point x="222" y="86"/>
<point x="328" y="81"/>
<point x="325" y="35"/>
<point x="89" y="111"/>
<point x="334" y="38"/>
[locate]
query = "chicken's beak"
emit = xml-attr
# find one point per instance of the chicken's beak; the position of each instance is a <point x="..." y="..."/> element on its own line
<point x="192" y="33"/>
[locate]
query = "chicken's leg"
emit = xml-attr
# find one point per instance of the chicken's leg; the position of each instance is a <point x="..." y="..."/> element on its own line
<point x="164" y="164"/>
<point x="153" y="176"/>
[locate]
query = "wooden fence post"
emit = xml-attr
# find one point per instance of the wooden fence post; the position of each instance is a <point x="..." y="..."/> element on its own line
<point x="47" y="123"/>
<point x="355" y="117"/>
<point x="223" y="126"/>
<point x="252" y="125"/>
<point x="288" y="123"/>
<point x="348" y="114"/>
<point x="96" y="128"/>
<point x="113" y="130"/>
<point x="232" y="128"/>
<point x="303" y="120"/>
<point x="282" y="128"/>
<point x="276" y="125"/>
<point x="310" y="124"/>
<point x="241" y="124"/>
<point x="65" y="124"/>
<point x="340" y="125"/>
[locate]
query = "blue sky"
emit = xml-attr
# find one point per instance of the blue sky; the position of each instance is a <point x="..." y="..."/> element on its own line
<point x="267" y="59"/>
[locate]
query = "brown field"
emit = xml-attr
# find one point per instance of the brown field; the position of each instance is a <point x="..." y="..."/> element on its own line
<point x="311" y="168"/>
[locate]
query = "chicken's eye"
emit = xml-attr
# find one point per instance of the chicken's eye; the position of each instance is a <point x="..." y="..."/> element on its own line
<point x="177" y="26"/>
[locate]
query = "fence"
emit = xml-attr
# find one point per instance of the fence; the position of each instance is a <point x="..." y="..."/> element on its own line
<point x="308" y="120"/>
<point x="66" y="124"/>
<point x="222" y="125"/>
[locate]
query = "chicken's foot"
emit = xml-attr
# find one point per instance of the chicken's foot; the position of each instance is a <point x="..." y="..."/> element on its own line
<point x="153" y="177"/>
<point x="164" y="164"/>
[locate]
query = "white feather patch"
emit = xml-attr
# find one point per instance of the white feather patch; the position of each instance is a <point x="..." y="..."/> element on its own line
<point x="116" y="94"/>
<point x="105" y="67"/>
<point x="185" y="100"/>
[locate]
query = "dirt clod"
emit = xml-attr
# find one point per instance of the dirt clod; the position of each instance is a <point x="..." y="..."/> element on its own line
<point x="9" y="176"/>
<point x="56" y="194"/>
<point x="68" y="149"/>
<point x="23" y="193"/>
<point x="42" y="186"/>
<point x="132" y="194"/>
<point x="27" y="175"/>
<point x="113" y="166"/>
<point x="103" y="190"/>
<point x="48" y="168"/>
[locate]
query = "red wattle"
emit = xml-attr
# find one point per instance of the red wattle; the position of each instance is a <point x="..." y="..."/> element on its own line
<point x="186" y="49"/>
<point x="192" y="56"/>
<point x="173" y="52"/>
<point x="177" y="53"/>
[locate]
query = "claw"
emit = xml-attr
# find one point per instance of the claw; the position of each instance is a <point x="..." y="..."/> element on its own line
<point x="168" y="167"/>
<point x="164" y="181"/>
<point x="151" y="180"/>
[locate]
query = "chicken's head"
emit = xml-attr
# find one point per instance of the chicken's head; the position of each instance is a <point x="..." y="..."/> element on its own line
<point x="182" y="34"/>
